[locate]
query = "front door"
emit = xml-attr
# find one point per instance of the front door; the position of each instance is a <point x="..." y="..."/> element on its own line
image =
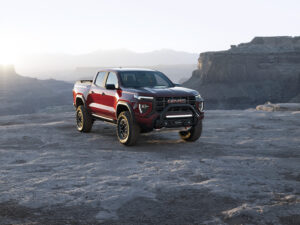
<point x="95" y="97"/>
<point x="110" y="96"/>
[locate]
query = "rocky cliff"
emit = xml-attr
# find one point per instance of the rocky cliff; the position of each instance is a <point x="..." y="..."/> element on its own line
<point x="265" y="69"/>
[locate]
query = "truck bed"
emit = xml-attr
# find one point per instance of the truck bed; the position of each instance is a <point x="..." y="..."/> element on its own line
<point x="84" y="81"/>
<point x="82" y="87"/>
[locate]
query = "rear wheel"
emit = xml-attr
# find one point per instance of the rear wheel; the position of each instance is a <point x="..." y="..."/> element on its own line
<point x="84" y="120"/>
<point x="127" y="130"/>
<point x="193" y="133"/>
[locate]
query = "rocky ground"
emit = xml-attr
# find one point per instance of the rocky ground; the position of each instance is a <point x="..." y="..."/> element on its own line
<point x="245" y="169"/>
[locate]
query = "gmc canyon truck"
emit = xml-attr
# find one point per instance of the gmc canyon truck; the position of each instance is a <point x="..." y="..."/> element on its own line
<point x="137" y="101"/>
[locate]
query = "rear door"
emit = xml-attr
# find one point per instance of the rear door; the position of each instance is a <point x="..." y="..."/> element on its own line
<point x="111" y="96"/>
<point x="95" y="98"/>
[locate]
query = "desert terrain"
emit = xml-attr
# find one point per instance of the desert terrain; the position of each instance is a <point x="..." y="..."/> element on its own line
<point x="245" y="169"/>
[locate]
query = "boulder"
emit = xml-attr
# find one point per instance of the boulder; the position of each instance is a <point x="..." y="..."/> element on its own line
<point x="279" y="107"/>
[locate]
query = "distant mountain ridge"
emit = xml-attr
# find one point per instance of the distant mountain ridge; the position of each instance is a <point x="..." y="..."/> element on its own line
<point x="62" y="66"/>
<point x="177" y="73"/>
<point x="19" y="94"/>
<point x="265" y="69"/>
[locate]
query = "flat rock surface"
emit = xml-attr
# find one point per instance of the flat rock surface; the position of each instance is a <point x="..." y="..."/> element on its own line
<point x="279" y="107"/>
<point x="245" y="169"/>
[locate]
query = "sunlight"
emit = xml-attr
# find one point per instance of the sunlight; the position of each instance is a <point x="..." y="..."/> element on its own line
<point x="7" y="58"/>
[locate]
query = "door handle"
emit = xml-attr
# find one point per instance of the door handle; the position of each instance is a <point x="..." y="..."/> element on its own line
<point x="103" y="93"/>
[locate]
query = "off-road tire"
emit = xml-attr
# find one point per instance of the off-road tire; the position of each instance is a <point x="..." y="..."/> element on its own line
<point x="84" y="120"/>
<point x="192" y="134"/>
<point x="133" y="129"/>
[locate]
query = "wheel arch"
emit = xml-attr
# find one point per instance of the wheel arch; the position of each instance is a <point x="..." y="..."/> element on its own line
<point x="79" y="100"/>
<point x="124" y="106"/>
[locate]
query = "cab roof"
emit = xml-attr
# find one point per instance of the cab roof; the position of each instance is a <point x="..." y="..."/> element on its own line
<point x="119" y="69"/>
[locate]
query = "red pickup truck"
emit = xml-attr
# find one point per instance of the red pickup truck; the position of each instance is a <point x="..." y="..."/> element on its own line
<point x="137" y="100"/>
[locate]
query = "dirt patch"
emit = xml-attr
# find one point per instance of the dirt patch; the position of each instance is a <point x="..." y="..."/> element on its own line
<point x="290" y="176"/>
<point x="185" y="206"/>
<point x="290" y="220"/>
<point x="19" y="161"/>
<point x="11" y="209"/>
<point x="198" y="178"/>
<point x="10" y="123"/>
<point x="13" y="213"/>
<point x="240" y="219"/>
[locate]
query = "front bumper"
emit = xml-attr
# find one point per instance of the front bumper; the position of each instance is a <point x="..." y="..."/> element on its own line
<point x="171" y="119"/>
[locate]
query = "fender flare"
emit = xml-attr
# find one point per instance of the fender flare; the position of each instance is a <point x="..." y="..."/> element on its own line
<point x="80" y="97"/>
<point x="130" y="109"/>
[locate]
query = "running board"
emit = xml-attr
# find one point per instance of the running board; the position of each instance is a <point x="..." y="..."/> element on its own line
<point x="102" y="117"/>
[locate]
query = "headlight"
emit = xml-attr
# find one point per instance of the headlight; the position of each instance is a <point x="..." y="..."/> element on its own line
<point x="201" y="106"/>
<point x="199" y="98"/>
<point x="143" y="108"/>
<point x="143" y="97"/>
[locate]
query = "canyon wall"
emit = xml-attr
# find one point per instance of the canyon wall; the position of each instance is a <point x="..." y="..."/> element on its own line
<point x="265" y="69"/>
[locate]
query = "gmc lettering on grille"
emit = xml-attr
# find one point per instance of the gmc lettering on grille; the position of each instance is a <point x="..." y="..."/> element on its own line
<point x="172" y="101"/>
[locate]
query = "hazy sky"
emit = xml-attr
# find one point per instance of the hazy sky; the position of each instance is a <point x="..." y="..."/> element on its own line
<point x="30" y="26"/>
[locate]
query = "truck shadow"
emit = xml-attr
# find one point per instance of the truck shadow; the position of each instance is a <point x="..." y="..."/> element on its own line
<point x="158" y="138"/>
<point x="163" y="137"/>
<point x="103" y="136"/>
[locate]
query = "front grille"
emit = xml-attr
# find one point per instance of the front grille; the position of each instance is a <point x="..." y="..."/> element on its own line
<point x="162" y="102"/>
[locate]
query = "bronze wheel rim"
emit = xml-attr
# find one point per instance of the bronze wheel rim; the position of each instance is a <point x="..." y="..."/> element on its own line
<point x="123" y="129"/>
<point x="79" y="119"/>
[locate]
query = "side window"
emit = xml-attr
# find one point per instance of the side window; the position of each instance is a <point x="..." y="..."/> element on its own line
<point x="100" y="79"/>
<point x="112" y="79"/>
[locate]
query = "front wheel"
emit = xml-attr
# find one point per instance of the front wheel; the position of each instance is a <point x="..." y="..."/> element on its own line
<point x="192" y="134"/>
<point x="127" y="130"/>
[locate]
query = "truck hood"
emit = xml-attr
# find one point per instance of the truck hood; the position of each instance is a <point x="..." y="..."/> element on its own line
<point x="163" y="92"/>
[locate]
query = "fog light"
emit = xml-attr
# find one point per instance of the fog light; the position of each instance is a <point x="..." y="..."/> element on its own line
<point x="143" y="108"/>
<point x="187" y="123"/>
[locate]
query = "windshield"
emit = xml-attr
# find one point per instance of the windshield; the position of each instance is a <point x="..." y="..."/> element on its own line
<point x="138" y="79"/>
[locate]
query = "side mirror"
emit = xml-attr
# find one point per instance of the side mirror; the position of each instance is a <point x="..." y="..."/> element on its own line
<point x="110" y="86"/>
<point x="177" y="85"/>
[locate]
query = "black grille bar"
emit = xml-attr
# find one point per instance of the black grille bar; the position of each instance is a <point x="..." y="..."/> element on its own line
<point x="162" y="102"/>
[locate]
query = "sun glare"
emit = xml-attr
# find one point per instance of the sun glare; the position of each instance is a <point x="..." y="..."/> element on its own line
<point x="6" y="58"/>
